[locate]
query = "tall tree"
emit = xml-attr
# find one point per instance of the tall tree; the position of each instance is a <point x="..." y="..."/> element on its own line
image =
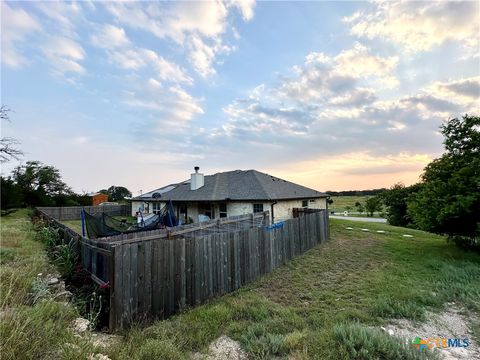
<point x="117" y="193"/>
<point x="8" y="145"/>
<point x="395" y="200"/>
<point x="40" y="183"/>
<point x="373" y="204"/>
<point x="449" y="198"/>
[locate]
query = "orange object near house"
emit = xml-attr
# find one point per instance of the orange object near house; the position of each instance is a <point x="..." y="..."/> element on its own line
<point x="99" y="198"/>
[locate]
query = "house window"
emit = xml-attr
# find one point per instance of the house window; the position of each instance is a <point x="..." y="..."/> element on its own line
<point x="257" y="208"/>
<point x="311" y="201"/>
<point x="182" y="213"/>
<point x="157" y="207"/>
<point x="223" y="210"/>
<point x="206" y="209"/>
<point x="304" y="203"/>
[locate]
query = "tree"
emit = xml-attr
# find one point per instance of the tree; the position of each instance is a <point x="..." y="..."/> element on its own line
<point x="8" y="145"/>
<point x="373" y="204"/>
<point x="395" y="200"/>
<point x="39" y="183"/>
<point x="116" y="193"/>
<point x="449" y="199"/>
<point x="11" y="194"/>
<point x="360" y="207"/>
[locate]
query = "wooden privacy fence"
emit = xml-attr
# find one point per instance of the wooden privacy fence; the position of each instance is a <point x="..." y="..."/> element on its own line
<point x="95" y="256"/>
<point x="74" y="212"/>
<point x="156" y="277"/>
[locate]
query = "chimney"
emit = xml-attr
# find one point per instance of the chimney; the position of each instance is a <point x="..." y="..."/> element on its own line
<point x="196" y="179"/>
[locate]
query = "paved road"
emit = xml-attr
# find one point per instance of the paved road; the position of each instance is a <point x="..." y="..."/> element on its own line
<point x="354" y="218"/>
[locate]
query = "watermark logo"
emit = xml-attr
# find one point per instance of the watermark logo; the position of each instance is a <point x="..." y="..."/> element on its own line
<point x="439" y="343"/>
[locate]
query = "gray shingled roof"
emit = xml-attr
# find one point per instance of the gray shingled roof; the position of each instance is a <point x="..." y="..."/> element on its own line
<point x="236" y="185"/>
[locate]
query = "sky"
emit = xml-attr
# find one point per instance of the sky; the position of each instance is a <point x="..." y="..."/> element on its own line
<point x="330" y="95"/>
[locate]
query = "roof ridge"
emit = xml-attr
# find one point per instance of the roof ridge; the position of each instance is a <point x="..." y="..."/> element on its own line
<point x="259" y="181"/>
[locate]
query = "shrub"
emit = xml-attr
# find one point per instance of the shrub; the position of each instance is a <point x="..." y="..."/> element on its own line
<point x="355" y="341"/>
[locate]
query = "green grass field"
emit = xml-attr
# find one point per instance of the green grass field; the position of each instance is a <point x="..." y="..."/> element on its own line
<point x="321" y="305"/>
<point x="344" y="203"/>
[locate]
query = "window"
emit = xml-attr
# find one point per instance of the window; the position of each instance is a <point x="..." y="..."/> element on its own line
<point x="311" y="200"/>
<point x="257" y="208"/>
<point x="304" y="203"/>
<point x="223" y="210"/>
<point x="157" y="207"/>
<point x="206" y="209"/>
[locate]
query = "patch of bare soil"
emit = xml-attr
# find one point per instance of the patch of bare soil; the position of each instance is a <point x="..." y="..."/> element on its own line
<point x="450" y="324"/>
<point x="223" y="348"/>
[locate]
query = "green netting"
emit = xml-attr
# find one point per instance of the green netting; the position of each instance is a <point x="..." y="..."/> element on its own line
<point x="103" y="225"/>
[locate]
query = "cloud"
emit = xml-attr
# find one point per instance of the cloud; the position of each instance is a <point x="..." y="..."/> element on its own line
<point x="323" y="77"/>
<point x="327" y="108"/>
<point x="62" y="15"/>
<point x="110" y="37"/>
<point x="169" y="105"/>
<point x="17" y="26"/>
<point x="138" y="58"/>
<point x="198" y="27"/>
<point x="420" y="25"/>
<point x="64" y="55"/>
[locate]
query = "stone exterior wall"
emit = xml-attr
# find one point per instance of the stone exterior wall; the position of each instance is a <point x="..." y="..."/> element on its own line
<point x="282" y="209"/>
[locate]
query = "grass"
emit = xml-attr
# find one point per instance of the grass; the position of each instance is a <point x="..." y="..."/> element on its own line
<point x="76" y="225"/>
<point x="342" y="203"/>
<point x="32" y="325"/>
<point x="325" y="304"/>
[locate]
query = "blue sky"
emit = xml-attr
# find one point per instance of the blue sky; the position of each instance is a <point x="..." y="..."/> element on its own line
<point x="332" y="95"/>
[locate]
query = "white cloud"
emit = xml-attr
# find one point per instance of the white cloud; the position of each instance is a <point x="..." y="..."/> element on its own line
<point x="110" y="37"/>
<point x="16" y="26"/>
<point x="170" y="105"/>
<point x="323" y="77"/>
<point x="64" y="55"/>
<point x="62" y="14"/>
<point x="328" y="107"/>
<point x="420" y="25"/>
<point x="137" y="58"/>
<point x="196" y="26"/>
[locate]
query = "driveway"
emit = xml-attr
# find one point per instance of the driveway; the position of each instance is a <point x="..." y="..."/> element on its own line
<point x="355" y="218"/>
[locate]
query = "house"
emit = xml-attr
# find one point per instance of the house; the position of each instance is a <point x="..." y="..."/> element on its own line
<point x="98" y="198"/>
<point x="230" y="193"/>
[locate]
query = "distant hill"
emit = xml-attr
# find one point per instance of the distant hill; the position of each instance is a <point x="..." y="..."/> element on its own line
<point x="356" y="192"/>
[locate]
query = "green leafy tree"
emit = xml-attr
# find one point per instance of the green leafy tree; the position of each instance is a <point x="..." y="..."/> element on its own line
<point x="40" y="184"/>
<point x="373" y="204"/>
<point x="116" y="193"/>
<point x="360" y="207"/>
<point x="395" y="200"/>
<point x="11" y="194"/>
<point x="449" y="199"/>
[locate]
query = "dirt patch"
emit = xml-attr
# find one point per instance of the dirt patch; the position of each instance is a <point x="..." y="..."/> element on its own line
<point x="223" y="348"/>
<point x="450" y="324"/>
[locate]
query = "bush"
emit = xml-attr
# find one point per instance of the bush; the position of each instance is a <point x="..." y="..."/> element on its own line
<point x="355" y="341"/>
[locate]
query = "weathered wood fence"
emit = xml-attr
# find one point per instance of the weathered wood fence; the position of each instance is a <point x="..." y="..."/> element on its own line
<point x="74" y="212"/>
<point x="95" y="256"/>
<point x="156" y="277"/>
<point x="157" y="273"/>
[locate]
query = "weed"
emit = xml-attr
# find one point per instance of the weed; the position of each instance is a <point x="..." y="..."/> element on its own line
<point x="39" y="289"/>
<point x="6" y="255"/>
<point x="354" y="341"/>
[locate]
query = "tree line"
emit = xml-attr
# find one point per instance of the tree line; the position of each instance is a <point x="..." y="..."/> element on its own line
<point x="36" y="184"/>
<point x="447" y="199"/>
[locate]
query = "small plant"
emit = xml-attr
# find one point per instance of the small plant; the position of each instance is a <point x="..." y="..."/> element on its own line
<point x="65" y="257"/>
<point x="39" y="289"/>
<point x="48" y="236"/>
<point x="94" y="310"/>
